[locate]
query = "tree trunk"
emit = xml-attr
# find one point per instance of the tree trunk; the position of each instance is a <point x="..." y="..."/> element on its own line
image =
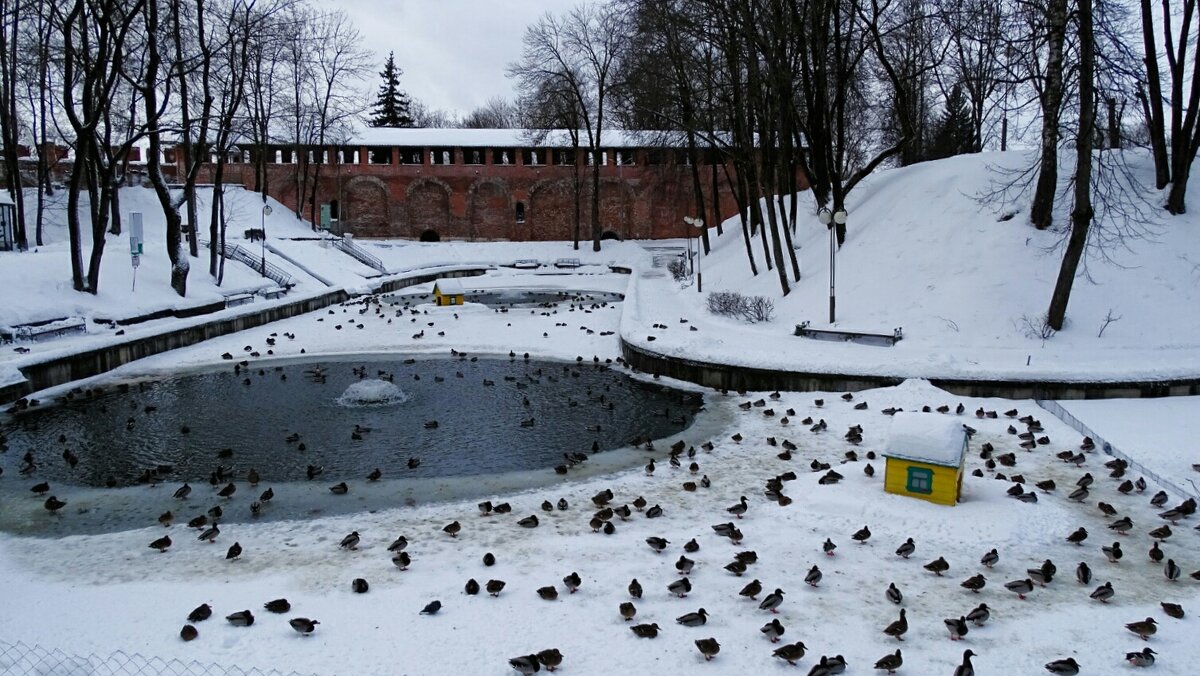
<point x="1155" y="120"/>
<point x="1042" y="212"/>
<point x="1081" y="214"/>
<point x="74" y="187"/>
<point x="215" y="228"/>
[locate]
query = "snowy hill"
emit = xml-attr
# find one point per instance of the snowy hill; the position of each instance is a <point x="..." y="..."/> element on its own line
<point x="925" y="253"/>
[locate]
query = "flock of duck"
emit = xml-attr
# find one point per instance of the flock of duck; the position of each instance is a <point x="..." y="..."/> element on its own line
<point x="606" y="514"/>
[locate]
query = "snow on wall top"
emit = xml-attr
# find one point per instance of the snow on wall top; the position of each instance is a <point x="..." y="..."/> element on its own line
<point x="5" y="198"/>
<point x="926" y="437"/>
<point x="502" y="138"/>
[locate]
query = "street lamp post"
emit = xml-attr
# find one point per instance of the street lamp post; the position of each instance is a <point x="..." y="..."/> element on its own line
<point x="831" y="220"/>
<point x="697" y="223"/>
<point x="266" y="211"/>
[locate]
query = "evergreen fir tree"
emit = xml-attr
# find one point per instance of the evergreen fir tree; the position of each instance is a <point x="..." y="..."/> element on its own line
<point x="391" y="104"/>
<point x="954" y="132"/>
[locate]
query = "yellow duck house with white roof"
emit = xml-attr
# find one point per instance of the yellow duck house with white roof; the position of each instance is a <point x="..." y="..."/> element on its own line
<point x="925" y="454"/>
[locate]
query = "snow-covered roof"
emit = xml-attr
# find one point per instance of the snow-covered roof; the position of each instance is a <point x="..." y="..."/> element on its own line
<point x="450" y="286"/>
<point x="507" y="138"/>
<point x="926" y="437"/>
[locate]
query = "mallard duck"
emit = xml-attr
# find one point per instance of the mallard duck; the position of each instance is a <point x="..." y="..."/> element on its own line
<point x="201" y="613"/>
<point x="242" y="618"/>
<point x="303" y="625"/>
<point x="452" y="529"/>
<point x="893" y="594"/>
<point x="550" y="658"/>
<point x="773" y="630"/>
<point x="350" y="541"/>
<point x="772" y="601"/>
<point x="1145" y="658"/>
<point x="1019" y="587"/>
<point x="494" y="587"/>
<point x="431" y="608"/>
<point x="188" y="633"/>
<point x="278" y="606"/>
<point x="890" y="663"/>
<point x="751" y="590"/>
<point x="898" y="628"/>
<point x="1144" y="628"/>
<point x="937" y="566"/>
<point x="966" y="668"/>
<point x="526" y="664"/>
<point x="791" y="653"/>
<point x="1065" y="667"/>
<point x="708" y="647"/>
<point x="693" y="619"/>
<point x="161" y="544"/>
<point x="979" y="615"/>
<point x="645" y="630"/>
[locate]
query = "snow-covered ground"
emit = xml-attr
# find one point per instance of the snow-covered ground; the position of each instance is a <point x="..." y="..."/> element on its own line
<point x="958" y="283"/>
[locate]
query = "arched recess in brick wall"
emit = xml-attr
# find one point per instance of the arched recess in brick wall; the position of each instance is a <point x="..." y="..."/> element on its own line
<point x="428" y="202"/>
<point x="366" y="207"/>
<point x="616" y="207"/>
<point x="490" y="211"/>
<point x="551" y="212"/>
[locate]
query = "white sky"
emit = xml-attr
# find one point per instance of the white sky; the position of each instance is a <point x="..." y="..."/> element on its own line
<point x="453" y="52"/>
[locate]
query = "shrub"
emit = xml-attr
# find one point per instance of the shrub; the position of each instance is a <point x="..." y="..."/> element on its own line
<point x="678" y="268"/>
<point x="749" y="308"/>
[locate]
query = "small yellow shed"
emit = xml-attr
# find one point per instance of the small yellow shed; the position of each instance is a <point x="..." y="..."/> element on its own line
<point x="448" y="291"/>
<point x="925" y="453"/>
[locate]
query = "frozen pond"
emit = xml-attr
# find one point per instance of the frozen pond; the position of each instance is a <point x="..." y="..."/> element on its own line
<point x="434" y="424"/>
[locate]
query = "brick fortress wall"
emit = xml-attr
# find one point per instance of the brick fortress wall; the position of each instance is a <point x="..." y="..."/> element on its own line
<point x="480" y="196"/>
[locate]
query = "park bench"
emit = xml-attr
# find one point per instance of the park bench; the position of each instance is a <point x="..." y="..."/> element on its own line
<point x="844" y="335"/>
<point x="53" y="328"/>
<point x="567" y="263"/>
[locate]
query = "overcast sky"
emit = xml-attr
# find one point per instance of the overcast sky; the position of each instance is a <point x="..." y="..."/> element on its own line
<point x="453" y="52"/>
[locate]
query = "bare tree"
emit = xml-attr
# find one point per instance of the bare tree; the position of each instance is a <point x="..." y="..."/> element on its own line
<point x="579" y="52"/>
<point x="12" y="14"/>
<point x="1183" y="71"/>
<point x="496" y="113"/>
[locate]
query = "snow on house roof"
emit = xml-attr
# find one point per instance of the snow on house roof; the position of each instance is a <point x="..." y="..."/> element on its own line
<point x="926" y="437"/>
<point x="502" y="138"/>
<point x="450" y="286"/>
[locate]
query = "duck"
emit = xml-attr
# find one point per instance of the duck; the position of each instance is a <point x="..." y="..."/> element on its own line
<point x="551" y="658"/>
<point x="791" y="653"/>
<point x="1122" y="525"/>
<point x="736" y="567"/>
<point x="1113" y="553"/>
<point x="431" y="608"/>
<point x="635" y="589"/>
<point x="1172" y="570"/>
<point x="242" y="618"/>
<point x="692" y="619"/>
<point x="990" y="559"/>
<point x="303" y="625"/>
<point x="572" y="582"/>
<point x="452" y="529"/>
<point x="898" y="628"/>
<point x="188" y="633"/>
<point x="937" y="566"/>
<point x="654" y="512"/>
<point x="162" y="544"/>
<point x="1161" y="533"/>
<point x="813" y="578"/>
<point x="708" y="647"/>
<point x="526" y="664"/>
<point x="1065" y="667"/>
<point x="751" y="590"/>
<point x="398" y="545"/>
<point x="1173" y="610"/>
<point x="1083" y="573"/>
<point x="890" y="663"/>
<point x="200" y="613"/>
<point x="350" y="541"/>
<point x="375" y="475"/>
<point x="957" y="627"/>
<point x="1019" y="587"/>
<point x="772" y="601"/>
<point x="740" y="508"/>
<point x="657" y="544"/>
<point x="893" y="594"/>
<point x="359" y="586"/>
<point x="278" y="606"/>
<point x="1145" y="658"/>
<point x="966" y="668"/>
<point x="684" y="565"/>
<point x="494" y="587"/>
<point x="234" y="553"/>
<point x="339" y="489"/>
<point x="680" y="587"/>
<point x="828" y="547"/>
<point x="472" y="587"/>
<point x="228" y="490"/>
<point x="530" y="521"/>
<point x="183" y="491"/>
<point x="863" y="534"/>
<point x="402" y="560"/>
<point x="773" y="630"/>
<point x="210" y="534"/>
<point x="975" y="583"/>
<point x="1143" y="628"/>
<point x="906" y="550"/>
<point x="979" y="615"/>
<point x="645" y="630"/>
<point x="53" y="504"/>
<point x="628" y="610"/>
<point x="1103" y="593"/>
<point x="1078" y="536"/>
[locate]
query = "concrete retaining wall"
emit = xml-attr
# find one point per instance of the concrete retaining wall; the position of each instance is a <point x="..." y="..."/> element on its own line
<point x="722" y="376"/>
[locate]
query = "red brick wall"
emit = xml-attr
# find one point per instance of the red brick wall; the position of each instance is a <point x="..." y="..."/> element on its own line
<point x="468" y="201"/>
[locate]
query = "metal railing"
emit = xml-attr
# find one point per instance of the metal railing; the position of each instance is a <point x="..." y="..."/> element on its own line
<point x="1064" y="415"/>
<point x="256" y="263"/>
<point x="360" y="254"/>
<point x="19" y="658"/>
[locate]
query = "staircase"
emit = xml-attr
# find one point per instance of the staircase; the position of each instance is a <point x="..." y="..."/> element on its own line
<point x="258" y="263"/>
<point x="347" y="246"/>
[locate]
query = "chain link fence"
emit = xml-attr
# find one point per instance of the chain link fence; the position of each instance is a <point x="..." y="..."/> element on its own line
<point x="21" y="659"/>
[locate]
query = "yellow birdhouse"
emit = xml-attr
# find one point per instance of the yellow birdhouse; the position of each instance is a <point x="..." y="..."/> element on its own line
<point x="925" y="454"/>
<point x="448" y="291"/>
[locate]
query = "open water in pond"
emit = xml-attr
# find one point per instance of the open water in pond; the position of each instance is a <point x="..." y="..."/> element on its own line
<point x="343" y="418"/>
<point x="519" y="298"/>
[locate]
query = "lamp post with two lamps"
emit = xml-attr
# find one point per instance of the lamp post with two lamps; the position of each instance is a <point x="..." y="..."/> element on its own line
<point x="697" y="223"/>
<point x="831" y="219"/>
<point x="266" y="211"/>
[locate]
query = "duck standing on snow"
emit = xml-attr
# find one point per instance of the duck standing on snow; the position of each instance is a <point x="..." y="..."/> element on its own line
<point x="791" y="653"/>
<point x="526" y="664"/>
<point x="906" y="550"/>
<point x="898" y="628"/>
<point x="957" y="627"/>
<point x="893" y="594"/>
<point x="772" y="601"/>
<point x="966" y="668"/>
<point x="708" y="647"/>
<point x="890" y="663"/>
